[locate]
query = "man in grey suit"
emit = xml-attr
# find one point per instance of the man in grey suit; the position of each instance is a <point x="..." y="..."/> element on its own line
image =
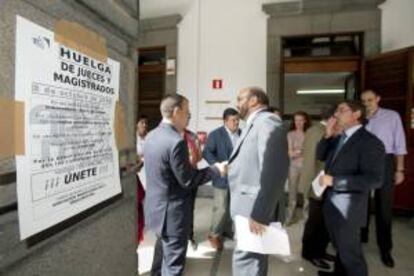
<point x="258" y="169"/>
<point x="170" y="179"/>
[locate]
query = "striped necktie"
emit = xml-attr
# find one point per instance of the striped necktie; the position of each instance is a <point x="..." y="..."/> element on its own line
<point x="341" y="143"/>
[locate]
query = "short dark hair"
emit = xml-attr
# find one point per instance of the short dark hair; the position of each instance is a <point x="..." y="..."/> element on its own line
<point x="357" y="106"/>
<point x="229" y="112"/>
<point x="169" y="102"/>
<point x="370" y="91"/>
<point x="142" y="117"/>
<point x="259" y="94"/>
<point x="327" y="112"/>
<point x="304" y="115"/>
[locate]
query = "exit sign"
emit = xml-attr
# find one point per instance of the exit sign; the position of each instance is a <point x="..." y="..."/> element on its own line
<point x="217" y="84"/>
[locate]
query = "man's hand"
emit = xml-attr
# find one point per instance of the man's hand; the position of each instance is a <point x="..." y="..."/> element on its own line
<point x="399" y="177"/>
<point x="256" y="228"/>
<point x="222" y="167"/>
<point x="331" y="127"/>
<point x="326" y="180"/>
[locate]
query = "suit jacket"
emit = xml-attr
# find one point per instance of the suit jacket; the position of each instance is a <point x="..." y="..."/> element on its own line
<point x="170" y="179"/>
<point x="258" y="169"/>
<point x="357" y="169"/>
<point x="218" y="148"/>
<point x="311" y="165"/>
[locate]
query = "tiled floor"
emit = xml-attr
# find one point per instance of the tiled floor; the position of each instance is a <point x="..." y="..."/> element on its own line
<point x="206" y="261"/>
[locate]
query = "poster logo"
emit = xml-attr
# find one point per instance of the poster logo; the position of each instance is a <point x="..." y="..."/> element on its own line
<point x="41" y="42"/>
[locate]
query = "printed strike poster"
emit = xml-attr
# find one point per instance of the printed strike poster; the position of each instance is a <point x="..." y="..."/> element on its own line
<point x="71" y="160"/>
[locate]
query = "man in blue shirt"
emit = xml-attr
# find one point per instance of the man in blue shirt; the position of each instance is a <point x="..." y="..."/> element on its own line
<point x="219" y="145"/>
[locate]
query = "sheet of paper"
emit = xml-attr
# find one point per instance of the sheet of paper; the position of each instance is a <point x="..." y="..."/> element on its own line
<point x="274" y="241"/>
<point x="318" y="189"/>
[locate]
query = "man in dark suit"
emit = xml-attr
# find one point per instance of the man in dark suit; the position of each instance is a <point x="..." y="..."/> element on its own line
<point x="353" y="166"/>
<point x="315" y="238"/>
<point x="219" y="146"/>
<point x="170" y="178"/>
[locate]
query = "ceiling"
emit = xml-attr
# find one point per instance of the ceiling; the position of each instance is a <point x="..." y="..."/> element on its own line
<point x="158" y="8"/>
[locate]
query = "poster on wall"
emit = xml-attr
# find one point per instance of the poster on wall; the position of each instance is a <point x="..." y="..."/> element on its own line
<point x="71" y="159"/>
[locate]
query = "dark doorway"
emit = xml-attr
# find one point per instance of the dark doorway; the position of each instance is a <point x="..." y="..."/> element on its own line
<point x="319" y="70"/>
<point x="391" y="75"/>
<point x="151" y="83"/>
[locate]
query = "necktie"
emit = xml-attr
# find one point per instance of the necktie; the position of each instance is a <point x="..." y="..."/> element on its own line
<point x="340" y="144"/>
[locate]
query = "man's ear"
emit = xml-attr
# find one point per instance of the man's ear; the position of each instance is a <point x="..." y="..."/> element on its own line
<point x="175" y="111"/>
<point x="253" y="100"/>
<point x="358" y="113"/>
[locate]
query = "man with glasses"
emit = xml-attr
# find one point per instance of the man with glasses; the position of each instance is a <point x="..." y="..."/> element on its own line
<point x="353" y="166"/>
<point x="387" y="126"/>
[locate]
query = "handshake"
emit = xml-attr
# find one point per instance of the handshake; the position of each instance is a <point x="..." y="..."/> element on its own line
<point x="222" y="167"/>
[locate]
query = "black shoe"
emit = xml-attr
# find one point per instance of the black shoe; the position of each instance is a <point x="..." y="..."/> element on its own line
<point x="364" y="234"/>
<point x="364" y="238"/>
<point x="326" y="273"/>
<point x="320" y="263"/>
<point x="230" y="236"/>
<point x="329" y="257"/>
<point x="387" y="259"/>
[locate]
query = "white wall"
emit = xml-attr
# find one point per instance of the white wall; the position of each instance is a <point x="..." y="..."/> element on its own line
<point x="397" y="26"/>
<point x="224" y="39"/>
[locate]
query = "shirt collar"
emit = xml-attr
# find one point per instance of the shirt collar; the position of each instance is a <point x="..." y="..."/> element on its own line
<point x="253" y="115"/>
<point x="230" y="133"/>
<point x="376" y="113"/>
<point x="166" y="121"/>
<point x="350" y="131"/>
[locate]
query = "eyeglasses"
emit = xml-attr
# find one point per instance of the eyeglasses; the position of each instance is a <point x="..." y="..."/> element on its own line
<point x="342" y="110"/>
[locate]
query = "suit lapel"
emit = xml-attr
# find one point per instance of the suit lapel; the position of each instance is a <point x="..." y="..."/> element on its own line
<point x="243" y="136"/>
<point x="240" y="142"/>
<point x="348" y="145"/>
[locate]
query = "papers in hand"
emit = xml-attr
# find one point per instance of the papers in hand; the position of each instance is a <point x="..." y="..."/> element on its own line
<point x="274" y="240"/>
<point x="317" y="188"/>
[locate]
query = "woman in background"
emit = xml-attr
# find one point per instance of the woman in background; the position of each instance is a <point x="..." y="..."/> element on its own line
<point x="142" y="131"/>
<point x="296" y="137"/>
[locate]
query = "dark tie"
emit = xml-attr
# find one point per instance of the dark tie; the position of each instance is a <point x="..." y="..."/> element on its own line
<point x="340" y="144"/>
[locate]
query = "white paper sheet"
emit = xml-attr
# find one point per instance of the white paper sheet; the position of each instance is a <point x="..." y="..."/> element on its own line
<point x="274" y="241"/>
<point x="317" y="188"/>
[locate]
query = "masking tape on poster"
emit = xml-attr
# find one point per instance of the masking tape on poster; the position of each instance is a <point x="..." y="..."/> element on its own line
<point x="12" y="125"/>
<point x="122" y="141"/>
<point x="11" y="128"/>
<point x="75" y="36"/>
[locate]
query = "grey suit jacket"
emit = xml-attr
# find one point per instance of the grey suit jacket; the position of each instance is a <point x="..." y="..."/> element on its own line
<point x="170" y="179"/>
<point x="258" y="169"/>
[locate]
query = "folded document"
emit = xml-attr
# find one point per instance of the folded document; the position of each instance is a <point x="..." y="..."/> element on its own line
<point x="274" y="240"/>
<point x="317" y="188"/>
